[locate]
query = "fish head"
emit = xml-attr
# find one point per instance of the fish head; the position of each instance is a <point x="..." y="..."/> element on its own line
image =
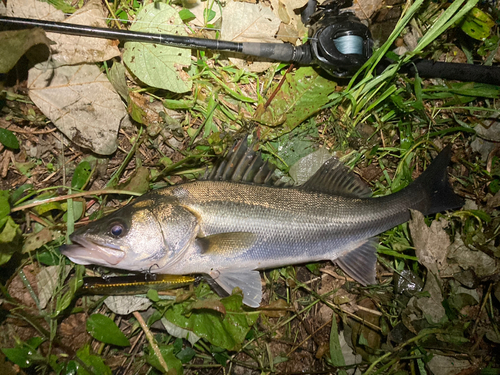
<point x="141" y="236"/>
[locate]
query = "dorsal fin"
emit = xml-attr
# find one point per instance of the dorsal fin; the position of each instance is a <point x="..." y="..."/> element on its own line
<point x="242" y="164"/>
<point x="334" y="178"/>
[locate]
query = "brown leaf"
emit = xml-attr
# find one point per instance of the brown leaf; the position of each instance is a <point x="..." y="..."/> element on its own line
<point x="72" y="50"/>
<point x="35" y="240"/>
<point x="211" y="304"/>
<point x="364" y="9"/>
<point x="276" y="309"/>
<point x="431" y="243"/>
<point x="81" y="102"/>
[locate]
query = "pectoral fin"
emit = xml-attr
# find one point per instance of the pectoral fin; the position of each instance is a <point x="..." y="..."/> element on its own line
<point x="247" y="280"/>
<point x="360" y="263"/>
<point x="232" y="243"/>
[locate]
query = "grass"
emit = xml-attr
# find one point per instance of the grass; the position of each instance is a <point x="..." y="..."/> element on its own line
<point x="386" y="127"/>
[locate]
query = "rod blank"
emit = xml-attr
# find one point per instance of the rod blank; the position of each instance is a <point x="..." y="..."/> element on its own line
<point x="275" y="51"/>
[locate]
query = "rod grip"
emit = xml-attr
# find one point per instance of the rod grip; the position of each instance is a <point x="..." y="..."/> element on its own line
<point x="274" y="51"/>
<point x="454" y="71"/>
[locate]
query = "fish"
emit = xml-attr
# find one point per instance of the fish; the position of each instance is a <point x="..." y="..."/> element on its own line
<point x="236" y="221"/>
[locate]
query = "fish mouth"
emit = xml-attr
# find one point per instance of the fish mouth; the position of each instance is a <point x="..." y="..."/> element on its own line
<point x="87" y="252"/>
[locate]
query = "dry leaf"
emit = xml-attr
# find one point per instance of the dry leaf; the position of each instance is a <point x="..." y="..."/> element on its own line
<point x="431" y="244"/>
<point x="465" y="258"/>
<point x="443" y="365"/>
<point x="81" y="102"/>
<point x="198" y="10"/>
<point x="72" y="50"/>
<point x="295" y="4"/>
<point x="34" y="9"/>
<point x="259" y="24"/>
<point x="47" y="281"/>
<point x="364" y="9"/>
<point x="292" y="28"/>
<point x="124" y="305"/>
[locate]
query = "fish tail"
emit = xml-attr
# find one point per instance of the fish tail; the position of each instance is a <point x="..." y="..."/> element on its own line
<point x="433" y="185"/>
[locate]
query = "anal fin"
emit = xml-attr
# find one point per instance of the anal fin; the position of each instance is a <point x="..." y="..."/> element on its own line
<point x="360" y="262"/>
<point x="247" y="280"/>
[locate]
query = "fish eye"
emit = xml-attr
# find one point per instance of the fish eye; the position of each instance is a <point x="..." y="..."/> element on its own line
<point x="117" y="230"/>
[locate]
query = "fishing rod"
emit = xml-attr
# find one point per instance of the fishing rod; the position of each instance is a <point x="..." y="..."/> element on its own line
<point x="338" y="42"/>
<point x="340" y="46"/>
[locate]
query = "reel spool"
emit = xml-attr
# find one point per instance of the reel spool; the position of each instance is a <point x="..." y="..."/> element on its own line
<point x="340" y="43"/>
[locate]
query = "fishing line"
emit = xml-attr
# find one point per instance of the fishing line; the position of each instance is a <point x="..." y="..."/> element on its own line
<point x="349" y="44"/>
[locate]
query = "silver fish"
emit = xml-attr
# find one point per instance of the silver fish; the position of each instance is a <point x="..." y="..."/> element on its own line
<point x="233" y="224"/>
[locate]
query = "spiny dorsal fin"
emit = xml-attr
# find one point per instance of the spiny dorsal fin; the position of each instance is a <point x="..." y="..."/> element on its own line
<point x="242" y="164"/>
<point x="334" y="178"/>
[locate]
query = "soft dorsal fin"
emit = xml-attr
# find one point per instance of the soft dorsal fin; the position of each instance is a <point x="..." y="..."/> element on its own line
<point x="334" y="178"/>
<point x="242" y="164"/>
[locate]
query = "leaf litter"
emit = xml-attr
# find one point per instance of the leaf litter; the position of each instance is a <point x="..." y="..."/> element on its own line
<point x="439" y="314"/>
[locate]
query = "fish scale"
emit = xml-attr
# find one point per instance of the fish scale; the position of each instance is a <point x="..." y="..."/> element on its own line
<point x="230" y="230"/>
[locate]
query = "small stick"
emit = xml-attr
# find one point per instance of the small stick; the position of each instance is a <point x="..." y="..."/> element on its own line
<point x="151" y="340"/>
<point x="76" y="195"/>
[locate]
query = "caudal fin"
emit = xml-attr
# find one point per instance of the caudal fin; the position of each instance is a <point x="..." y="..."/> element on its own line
<point x="433" y="182"/>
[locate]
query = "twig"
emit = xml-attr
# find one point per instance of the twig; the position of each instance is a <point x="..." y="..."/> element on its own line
<point x="339" y="308"/>
<point x="307" y="338"/>
<point x="401" y="346"/>
<point x="75" y="195"/>
<point x="268" y="102"/>
<point x="151" y="340"/>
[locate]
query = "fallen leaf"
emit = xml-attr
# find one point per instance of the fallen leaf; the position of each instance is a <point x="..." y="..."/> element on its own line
<point x="138" y="182"/>
<point x="35" y="240"/>
<point x="365" y="339"/>
<point x="200" y="8"/>
<point x="159" y="65"/>
<point x="209" y="304"/>
<point x="81" y="102"/>
<point x="365" y="9"/>
<point x="16" y="43"/>
<point x="34" y="9"/>
<point x="431" y="307"/>
<point x="443" y="365"/>
<point x="18" y="290"/>
<point x="47" y="280"/>
<point x="117" y="77"/>
<point x="431" y="243"/>
<point x="72" y="50"/>
<point x="259" y="24"/>
<point x="463" y="257"/>
<point x="295" y="4"/>
<point x="124" y="305"/>
<point x="276" y="309"/>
